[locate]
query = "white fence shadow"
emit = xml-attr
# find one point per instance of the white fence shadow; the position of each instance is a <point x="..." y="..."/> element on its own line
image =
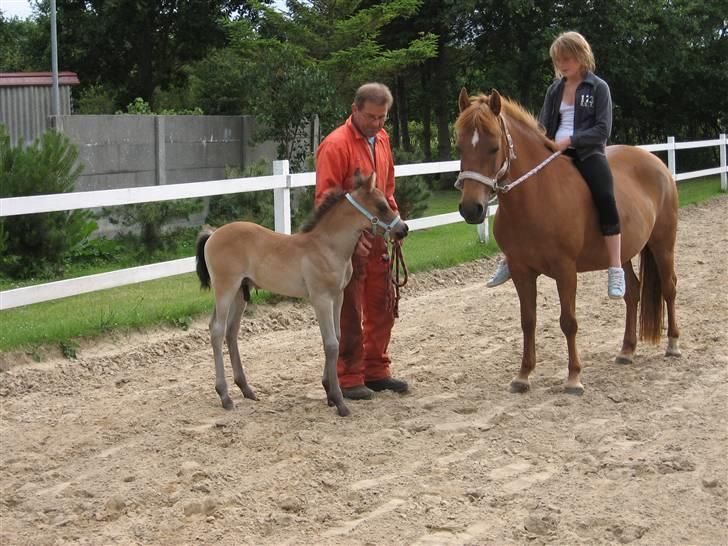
<point x="280" y="182"/>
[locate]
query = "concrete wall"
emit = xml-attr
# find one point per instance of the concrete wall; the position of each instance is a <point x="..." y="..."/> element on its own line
<point x="126" y="151"/>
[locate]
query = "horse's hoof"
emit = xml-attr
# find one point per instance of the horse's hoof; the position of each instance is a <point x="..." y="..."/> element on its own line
<point x="330" y="402"/>
<point x="576" y="390"/>
<point x="343" y="410"/>
<point x="672" y="347"/>
<point x="624" y="359"/>
<point x="520" y="386"/>
<point x="228" y="404"/>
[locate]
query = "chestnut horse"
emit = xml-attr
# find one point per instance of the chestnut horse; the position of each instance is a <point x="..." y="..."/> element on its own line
<point x="315" y="264"/>
<point x="547" y="224"/>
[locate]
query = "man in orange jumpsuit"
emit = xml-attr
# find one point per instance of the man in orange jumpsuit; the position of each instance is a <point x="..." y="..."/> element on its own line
<point x="361" y="143"/>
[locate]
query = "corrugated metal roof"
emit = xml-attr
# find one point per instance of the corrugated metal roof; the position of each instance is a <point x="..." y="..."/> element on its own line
<point x="19" y="79"/>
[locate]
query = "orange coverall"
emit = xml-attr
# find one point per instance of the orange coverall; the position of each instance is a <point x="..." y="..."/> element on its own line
<point x="366" y="320"/>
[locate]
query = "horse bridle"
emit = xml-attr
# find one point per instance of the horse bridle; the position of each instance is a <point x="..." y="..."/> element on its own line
<point x="494" y="182"/>
<point x="376" y="222"/>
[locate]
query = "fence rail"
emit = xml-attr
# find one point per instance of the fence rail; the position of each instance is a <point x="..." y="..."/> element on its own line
<point x="280" y="182"/>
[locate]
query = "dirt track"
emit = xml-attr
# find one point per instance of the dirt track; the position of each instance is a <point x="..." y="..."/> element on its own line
<point x="129" y="445"/>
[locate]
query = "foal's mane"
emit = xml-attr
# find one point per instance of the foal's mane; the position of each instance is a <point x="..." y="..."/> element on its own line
<point x="479" y="116"/>
<point x="332" y="198"/>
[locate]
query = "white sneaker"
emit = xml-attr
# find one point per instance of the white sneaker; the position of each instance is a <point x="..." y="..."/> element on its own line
<point x="615" y="282"/>
<point x="501" y="275"/>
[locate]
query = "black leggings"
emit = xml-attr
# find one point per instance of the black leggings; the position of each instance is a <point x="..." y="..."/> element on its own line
<point x="598" y="176"/>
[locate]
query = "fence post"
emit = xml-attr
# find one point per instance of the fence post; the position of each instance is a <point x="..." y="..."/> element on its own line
<point x="160" y="152"/>
<point x="671" y="164"/>
<point x="282" y="198"/>
<point x="723" y="163"/>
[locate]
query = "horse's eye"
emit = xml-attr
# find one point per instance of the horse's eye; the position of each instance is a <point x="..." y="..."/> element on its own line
<point x="381" y="207"/>
<point x="494" y="150"/>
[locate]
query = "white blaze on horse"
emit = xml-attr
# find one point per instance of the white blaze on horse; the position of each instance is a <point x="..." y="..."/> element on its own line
<point x="547" y="223"/>
<point x="313" y="264"/>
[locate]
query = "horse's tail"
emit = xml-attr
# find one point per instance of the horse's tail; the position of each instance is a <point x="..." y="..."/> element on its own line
<point x="651" y="300"/>
<point x="202" y="273"/>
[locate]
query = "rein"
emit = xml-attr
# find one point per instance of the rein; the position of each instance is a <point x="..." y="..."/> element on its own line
<point x="494" y="182"/>
<point x="397" y="264"/>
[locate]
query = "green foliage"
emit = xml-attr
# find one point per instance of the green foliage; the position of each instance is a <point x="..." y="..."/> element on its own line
<point x="152" y="218"/>
<point x="252" y="206"/>
<point x="37" y="244"/>
<point x="411" y="193"/>
<point x="96" y="99"/>
<point x="23" y="47"/>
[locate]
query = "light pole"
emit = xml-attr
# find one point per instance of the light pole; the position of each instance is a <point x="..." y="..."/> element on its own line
<point x="56" y="106"/>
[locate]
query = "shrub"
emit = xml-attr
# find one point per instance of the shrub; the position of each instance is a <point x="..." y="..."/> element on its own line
<point x="411" y="193"/>
<point x="34" y="245"/>
<point x="152" y="218"/>
<point x="252" y="206"/>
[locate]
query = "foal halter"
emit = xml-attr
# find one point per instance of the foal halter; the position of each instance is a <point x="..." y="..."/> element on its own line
<point x="494" y="183"/>
<point x="376" y="222"/>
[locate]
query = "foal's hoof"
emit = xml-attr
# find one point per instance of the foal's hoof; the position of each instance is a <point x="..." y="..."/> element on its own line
<point x="518" y="385"/>
<point x="342" y="410"/>
<point x="250" y="395"/>
<point x="227" y="403"/>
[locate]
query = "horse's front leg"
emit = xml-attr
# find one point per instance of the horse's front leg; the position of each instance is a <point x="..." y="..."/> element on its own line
<point x="525" y="282"/>
<point x="325" y="307"/>
<point x="566" y="285"/>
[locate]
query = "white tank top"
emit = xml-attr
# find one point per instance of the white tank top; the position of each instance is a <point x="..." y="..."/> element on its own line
<point x="566" y="123"/>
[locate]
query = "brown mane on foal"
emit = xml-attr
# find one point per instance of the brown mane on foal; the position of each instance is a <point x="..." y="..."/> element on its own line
<point x="479" y="115"/>
<point x="332" y="198"/>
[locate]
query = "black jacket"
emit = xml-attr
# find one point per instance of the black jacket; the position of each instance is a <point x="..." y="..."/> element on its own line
<point x="592" y="114"/>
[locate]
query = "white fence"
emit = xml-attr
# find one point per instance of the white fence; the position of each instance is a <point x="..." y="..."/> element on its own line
<point x="280" y="182"/>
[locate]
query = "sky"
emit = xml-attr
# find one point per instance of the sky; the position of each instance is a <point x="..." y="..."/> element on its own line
<point x="19" y="8"/>
<point x="22" y="9"/>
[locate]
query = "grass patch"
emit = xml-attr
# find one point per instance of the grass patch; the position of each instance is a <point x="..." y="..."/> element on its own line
<point x="177" y="300"/>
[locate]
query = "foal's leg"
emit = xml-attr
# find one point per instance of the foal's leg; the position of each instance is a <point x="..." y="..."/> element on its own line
<point x="223" y="300"/>
<point x="338" y="302"/>
<point x="526" y="287"/>
<point x="231" y="336"/>
<point x="566" y="284"/>
<point x="631" y="298"/>
<point x="324" y="307"/>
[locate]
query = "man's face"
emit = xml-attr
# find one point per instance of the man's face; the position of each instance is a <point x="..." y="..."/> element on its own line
<point x="370" y="118"/>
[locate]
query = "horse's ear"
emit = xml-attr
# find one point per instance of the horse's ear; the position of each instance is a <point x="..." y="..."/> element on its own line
<point x="371" y="182"/>
<point x="463" y="99"/>
<point x="495" y="102"/>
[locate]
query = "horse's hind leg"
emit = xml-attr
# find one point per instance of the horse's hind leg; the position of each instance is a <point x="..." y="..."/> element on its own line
<point x="231" y="336"/>
<point x="631" y="298"/>
<point x="665" y="260"/>
<point x="217" y="336"/>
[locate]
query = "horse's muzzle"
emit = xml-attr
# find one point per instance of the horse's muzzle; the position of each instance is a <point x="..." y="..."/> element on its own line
<point x="472" y="213"/>
<point x="400" y="231"/>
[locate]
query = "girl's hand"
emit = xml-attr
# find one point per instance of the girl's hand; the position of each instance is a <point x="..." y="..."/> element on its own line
<point x="563" y="143"/>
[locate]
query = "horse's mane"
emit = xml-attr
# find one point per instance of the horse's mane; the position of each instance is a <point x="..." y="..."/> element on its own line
<point x="479" y="116"/>
<point x="332" y="197"/>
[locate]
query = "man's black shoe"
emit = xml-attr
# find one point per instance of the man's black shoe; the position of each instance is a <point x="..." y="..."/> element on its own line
<point x="360" y="392"/>
<point x="388" y="384"/>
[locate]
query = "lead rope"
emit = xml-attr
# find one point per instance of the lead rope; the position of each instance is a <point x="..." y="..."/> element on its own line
<point x="397" y="266"/>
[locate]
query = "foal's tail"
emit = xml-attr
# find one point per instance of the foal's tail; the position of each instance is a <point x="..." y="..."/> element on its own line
<point x="651" y="300"/>
<point x="202" y="273"/>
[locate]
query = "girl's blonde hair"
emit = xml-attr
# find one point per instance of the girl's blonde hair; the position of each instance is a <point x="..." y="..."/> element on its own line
<point x="572" y="44"/>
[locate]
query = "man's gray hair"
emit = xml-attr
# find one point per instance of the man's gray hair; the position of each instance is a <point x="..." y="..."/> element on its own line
<point x="378" y="93"/>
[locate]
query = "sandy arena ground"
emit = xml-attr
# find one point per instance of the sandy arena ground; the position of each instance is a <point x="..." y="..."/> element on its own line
<point x="129" y="444"/>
